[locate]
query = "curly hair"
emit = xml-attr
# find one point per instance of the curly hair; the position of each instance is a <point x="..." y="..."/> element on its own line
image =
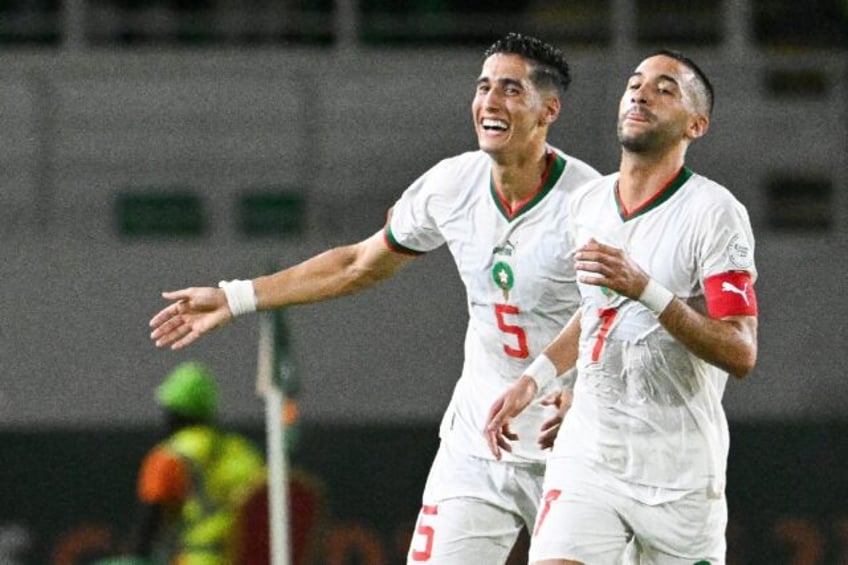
<point x="550" y="67"/>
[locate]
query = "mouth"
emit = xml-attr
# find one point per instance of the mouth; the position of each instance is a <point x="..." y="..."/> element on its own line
<point x="492" y="125"/>
<point x="637" y="115"/>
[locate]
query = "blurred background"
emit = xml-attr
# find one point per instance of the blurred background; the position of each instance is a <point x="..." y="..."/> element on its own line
<point x="148" y="145"/>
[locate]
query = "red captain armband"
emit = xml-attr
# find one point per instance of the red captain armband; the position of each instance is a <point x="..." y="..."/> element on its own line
<point x="730" y="294"/>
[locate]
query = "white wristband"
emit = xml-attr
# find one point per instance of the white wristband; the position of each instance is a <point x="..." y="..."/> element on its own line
<point x="240" y="296"/>
<point x="656" y="297"/>
<point x="542" y="370"/>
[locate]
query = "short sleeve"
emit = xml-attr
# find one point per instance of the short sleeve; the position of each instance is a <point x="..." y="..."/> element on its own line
<point x="727" y="241"/>
<point x="413" y="222"/>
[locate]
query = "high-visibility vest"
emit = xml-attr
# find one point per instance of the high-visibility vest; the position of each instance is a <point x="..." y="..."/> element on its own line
<point x="225" y="468"/>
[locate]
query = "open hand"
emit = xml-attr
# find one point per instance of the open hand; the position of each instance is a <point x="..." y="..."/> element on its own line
<point x="192" y="313"/>
<point x="509" y="405"/>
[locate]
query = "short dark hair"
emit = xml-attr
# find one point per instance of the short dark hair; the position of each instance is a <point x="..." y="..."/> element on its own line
<point x="701" y="76"/>
<point x="550" y="67"/>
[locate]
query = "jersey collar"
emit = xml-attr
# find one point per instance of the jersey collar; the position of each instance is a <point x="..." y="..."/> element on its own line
<point x="663" y="194"/>
<point x="553" y="171"/>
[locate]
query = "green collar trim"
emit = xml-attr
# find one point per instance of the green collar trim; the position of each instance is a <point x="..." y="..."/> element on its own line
<point x="663" y="194"/>
<point x="553" y="172"/>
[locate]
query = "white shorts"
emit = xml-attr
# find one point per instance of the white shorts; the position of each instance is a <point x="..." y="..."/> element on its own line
<point x="586" y="516"/>
<point x="473" y="509"/>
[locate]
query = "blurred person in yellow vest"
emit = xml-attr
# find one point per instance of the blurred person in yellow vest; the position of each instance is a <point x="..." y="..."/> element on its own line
<point x="193" y="484"/>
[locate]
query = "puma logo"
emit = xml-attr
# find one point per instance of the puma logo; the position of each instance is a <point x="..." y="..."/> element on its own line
<point x="730" y="287"/>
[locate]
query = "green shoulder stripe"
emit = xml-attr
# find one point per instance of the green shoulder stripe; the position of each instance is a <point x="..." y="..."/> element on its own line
<point x="395" y="246"/>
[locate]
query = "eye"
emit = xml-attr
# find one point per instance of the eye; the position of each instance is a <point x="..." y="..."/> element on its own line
<point x="666" y="88"/>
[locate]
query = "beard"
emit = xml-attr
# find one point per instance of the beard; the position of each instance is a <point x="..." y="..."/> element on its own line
<point x="646" y="141"/>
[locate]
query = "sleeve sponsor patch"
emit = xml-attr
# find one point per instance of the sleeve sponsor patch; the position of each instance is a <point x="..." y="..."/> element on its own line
<point x="739" y="252"/>
<point x="730" y="294"/>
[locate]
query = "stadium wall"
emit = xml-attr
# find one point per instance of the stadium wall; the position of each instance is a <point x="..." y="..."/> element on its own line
<point x="348" y="132"/>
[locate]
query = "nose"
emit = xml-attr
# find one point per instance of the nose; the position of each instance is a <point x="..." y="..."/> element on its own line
<point x="640" y="95"/>
<point x="491" y="97"/>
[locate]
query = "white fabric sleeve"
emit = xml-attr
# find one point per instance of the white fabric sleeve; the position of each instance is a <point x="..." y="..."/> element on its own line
<point x="726" y="240"/>
<point x="413" y="222"/>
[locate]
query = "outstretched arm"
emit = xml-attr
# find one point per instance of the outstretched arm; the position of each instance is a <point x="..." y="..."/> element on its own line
<point x="729" y="342"/>
<point x="557" y="358"/>
<point x="195" y="311"/>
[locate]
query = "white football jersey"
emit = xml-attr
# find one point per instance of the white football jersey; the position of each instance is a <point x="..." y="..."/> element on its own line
<point x="518" y="274"/>
<point x="645" y="408"/>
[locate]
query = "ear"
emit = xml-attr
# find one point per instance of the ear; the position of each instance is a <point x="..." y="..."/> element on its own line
<point x="551" y="110"/>
<point x="699" y="124"/>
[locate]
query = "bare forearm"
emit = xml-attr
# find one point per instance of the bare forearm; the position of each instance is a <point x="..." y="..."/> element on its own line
<point x="729" y="343"/>
<point x="331" y="274"/>
<point x="563" y="350"/>
<point x="328" y="275"/>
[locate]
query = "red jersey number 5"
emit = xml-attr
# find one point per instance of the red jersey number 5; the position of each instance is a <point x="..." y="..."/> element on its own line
<point x="522" y="351"/>
<point x="427" y="532"/>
